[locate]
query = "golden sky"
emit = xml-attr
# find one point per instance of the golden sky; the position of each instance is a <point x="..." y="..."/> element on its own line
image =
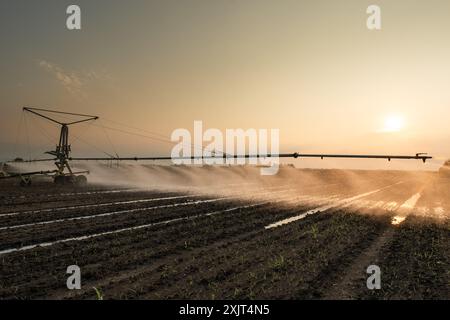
<point x="309" y="68"/>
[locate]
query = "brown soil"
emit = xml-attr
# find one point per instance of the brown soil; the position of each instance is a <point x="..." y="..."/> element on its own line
<point x="212" y="243"/>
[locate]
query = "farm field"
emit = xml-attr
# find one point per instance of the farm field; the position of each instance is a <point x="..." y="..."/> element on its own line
<point x="310" y="234"/>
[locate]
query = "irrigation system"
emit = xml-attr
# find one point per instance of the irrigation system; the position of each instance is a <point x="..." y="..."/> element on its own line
<point x="63" y="173"/>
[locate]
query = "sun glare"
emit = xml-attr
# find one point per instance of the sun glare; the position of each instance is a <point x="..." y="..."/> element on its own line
<point x="393" y="124"/>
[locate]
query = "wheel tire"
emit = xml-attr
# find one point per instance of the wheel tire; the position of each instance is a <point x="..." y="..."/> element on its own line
<point x="59" y="180"/>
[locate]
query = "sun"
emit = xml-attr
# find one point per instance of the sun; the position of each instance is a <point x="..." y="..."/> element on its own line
<point x="393" y="123"/>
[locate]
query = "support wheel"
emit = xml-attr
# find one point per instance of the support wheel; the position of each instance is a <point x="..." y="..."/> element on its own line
<point x="59" y="180"/>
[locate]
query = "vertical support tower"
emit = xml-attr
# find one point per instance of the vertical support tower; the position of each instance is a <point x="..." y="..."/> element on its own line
<point x="62" y="151"/>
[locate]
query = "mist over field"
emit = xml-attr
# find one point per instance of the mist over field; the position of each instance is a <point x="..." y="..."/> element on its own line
<point x="353" y="97"/>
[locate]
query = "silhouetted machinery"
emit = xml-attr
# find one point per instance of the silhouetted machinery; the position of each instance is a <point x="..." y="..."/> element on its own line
<point x="63" y="174"/>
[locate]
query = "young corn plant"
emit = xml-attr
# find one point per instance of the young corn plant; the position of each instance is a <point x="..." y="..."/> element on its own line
<point x="99" y="293"/>
<point x="279" y="263"/>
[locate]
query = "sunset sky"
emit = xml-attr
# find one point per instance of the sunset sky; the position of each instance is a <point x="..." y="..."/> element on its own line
<point x="309" y="68"/>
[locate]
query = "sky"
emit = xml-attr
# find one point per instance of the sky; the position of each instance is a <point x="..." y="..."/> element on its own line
<point x="309" y="68"/>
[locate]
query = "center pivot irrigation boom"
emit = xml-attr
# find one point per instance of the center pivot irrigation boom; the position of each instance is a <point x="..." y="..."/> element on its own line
<point x="62" y="153"/>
